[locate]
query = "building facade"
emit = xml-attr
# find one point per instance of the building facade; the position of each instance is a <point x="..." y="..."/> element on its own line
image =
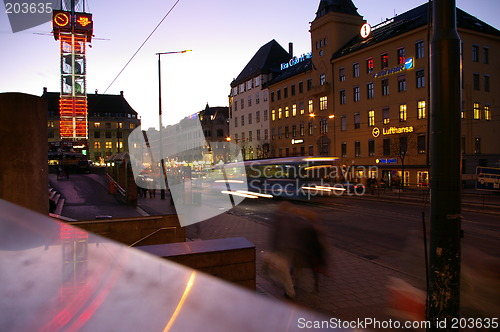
<point x="110" y="122"/>
<point x="249" y="101"/>
<point x="369" y="94"/>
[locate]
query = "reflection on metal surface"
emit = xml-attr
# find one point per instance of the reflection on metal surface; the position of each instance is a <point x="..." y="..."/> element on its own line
<point x="181" y="302"/>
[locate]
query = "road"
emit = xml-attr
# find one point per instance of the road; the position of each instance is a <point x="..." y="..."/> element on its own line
<point x="388" y="233"/>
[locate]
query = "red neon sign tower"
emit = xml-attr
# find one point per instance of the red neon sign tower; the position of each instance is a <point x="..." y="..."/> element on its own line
<point x="73" y="30"/>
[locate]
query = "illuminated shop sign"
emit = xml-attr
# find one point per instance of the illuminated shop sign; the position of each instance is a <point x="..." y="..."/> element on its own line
<point x="297" y="141"/>
<point x="386" y="72"/>
<point x="386" y="161"/>
<point x="391" y="131"/>
<point x="295" y="60"/>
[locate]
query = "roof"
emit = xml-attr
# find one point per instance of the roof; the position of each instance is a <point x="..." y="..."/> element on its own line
<point x="267" y="60"/>
<point x="98" y="104"/>
<point x="408" y="21"/>
<point x="336" y="6"/>
<point x="292" y="71"/>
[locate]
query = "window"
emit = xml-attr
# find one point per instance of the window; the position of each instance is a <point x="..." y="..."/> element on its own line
<point x="109" y="145"/>
<point x="371" y="148"/>
<point x="311" y="150"/>
<point x="322" y="79"/>
<point x="108" y="125"/>
<point x="97" y="125"/>
<point x="323" y="103"/>
<point x="385" y="87"/>
<point x="272" y="96"/>
<point x="310" y="128"/>
<point x="294" y="110"/>
<point x="369" y="65"/>
<point x="487" y="83"/>
<point x="280" y="132"/>
<point x="280" y="113"/>
<point x="287" y="131"/>
<point x="273" y="133"/>
<point x="273" y="115"/>
<point x="342" y="97"/>
<point x="324" y="126"/>
<point x="249" y="101"/>
<point x="357" y="122"/>
<point x="242" y="103"/>
<point x="421" y="109"/>
<point x="294" y="130"/>
<point x="384" y="60"/>
<point x="421" y="147"/>
<point x="403" y="145"/>
<point x="355" y="70"/>
<point x="287" y="112"/>
<point x="278" y="94"/>
<point x="341" y="74"/>
<point x="257" y="117"/>
<point x="402" y="112"/>
<point x="301" y="107"/>
<point x="487" y="112"/>
<point x="356" y="93"/>
<point x="235" y="105"/>
<point x="97" y="134"/>
<point x="486" y="55"/>
<point x="242" y="120"/>
<point x="301" y="129"/>
<point x="369" y="90"/>
<point x="419" y="50"/>
<point x="285" y="92"/>
<point x="402" y="83"/>
<point x="371" y="118"/>
<point x="309" y="84"/>
<point x="344" y="149"/>
<point x="462" y="111"/>
<point x="475" y="53"/>
<point x="420" y="78"/>
<point x="343" y="123"/>
<point x="477" y="111"/>
<point x="475" y="78"/>
<point x="477" y="145"/>
<point x="357" y="148"/>
<point x="97" y="145"/>
<point x="301" y="87"/>
<point x="266" y="115"/>
<point x="386" y="143"/>
<point x="236" y="121"/>
<point x="292" y="89"/>
<point x="310" y="106"/>
<point x="108" y="134"/>
<point x="266" y="134"/>
<point x="386" y="118"/>
<point x="401" y="56"/>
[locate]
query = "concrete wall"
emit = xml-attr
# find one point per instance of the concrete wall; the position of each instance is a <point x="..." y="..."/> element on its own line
<point x="153" y="229"/>
<point x="23" y="148"/>
<point x="231" y="259"/>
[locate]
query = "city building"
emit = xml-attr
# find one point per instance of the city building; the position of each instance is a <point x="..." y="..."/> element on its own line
<point x="110" y="121"/>
<point x="362" y="94"/>
<point x="249" y="101"/>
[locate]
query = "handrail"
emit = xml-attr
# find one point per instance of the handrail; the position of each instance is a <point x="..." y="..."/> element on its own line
<point x="160" y="229"/>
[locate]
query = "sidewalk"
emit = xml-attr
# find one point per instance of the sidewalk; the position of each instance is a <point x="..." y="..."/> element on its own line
<point x="355" y="288"/>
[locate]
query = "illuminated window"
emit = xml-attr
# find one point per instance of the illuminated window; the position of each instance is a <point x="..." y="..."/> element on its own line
<point x="401" y="55"/>
<point x="280" y="113"/>
<point x="97" y="145"/>
<point x="371" y="118"/>
<point x="384" y="59"/>
<point x="323" y="103"/>
<point x="477" y="111"/>
<point x="301" y="107"/>
<point x="369" y="65"/>
<point x="386" y="116"/>
<point x="487" y="112"/>
<point x="50" y="124"/>
<point x="119" y="125"/>
<point x="421" y="109"/>
<point x="273" y="115"/>
<point x="310" y="106"/>
<point x="119" y="145"/>
<point x="294" y="110"/>
<point x="402" y="112"/>
<point x="109" y="145"/>
<point x="287" y="112"/>
<point x="310" y="128"/>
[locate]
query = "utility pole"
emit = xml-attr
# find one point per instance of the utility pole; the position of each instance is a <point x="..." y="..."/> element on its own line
<point x="443" y="295"/>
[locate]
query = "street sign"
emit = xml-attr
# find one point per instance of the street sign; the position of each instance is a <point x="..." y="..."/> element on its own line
<point x="488" y="178"/>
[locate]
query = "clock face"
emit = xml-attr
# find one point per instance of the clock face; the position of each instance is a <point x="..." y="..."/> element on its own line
<point x="365" y="31"/>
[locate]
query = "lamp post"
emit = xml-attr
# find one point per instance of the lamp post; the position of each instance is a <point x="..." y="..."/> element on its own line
<point x="162" y="191"/>
<point x="323" y="132"/>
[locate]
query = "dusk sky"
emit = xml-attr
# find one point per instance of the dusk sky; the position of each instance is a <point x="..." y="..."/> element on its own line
<point x="223" y="34"/>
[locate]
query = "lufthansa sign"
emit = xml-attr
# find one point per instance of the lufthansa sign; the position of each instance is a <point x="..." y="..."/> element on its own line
<point x="391" y="131"/>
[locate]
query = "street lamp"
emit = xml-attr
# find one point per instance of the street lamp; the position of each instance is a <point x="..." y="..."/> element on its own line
<point x="162" y="191"/>
<point x="322" y="129"/>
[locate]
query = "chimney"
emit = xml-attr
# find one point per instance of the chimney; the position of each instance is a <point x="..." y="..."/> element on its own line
<point x="121" y="93"/>
<point x="290" y="49"/>
<point x="45" y="90"/>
